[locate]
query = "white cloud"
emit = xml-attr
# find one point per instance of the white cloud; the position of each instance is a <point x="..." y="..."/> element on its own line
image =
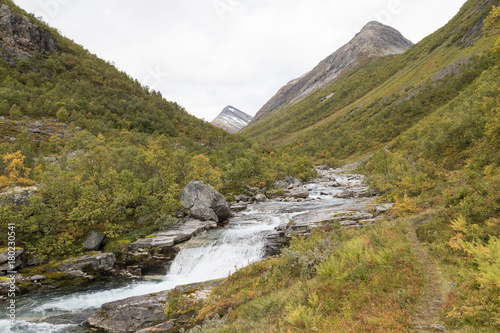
<point x="205" y="55"/>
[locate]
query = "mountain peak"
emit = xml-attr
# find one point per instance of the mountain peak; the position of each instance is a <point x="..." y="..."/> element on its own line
<point x="377" y="39"/>
<point x="374" y="40"/>
<point x="373" y="25"/>
<point x="231" y="119"/>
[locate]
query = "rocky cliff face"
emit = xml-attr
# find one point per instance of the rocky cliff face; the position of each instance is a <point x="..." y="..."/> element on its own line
<point x="21" y="38"/>
<point x="374" y="40"/>
<point x="231" y="119"/>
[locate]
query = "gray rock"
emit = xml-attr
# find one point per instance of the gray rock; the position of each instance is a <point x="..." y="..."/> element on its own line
<point x="135" y="270"/>
<point x="239" y="207"/>
<point x="163" y="327"/>
<point x="384" y="208"/>
<point x="155" y="252"/>
<point x="439" y="327"/>
<point x="329" y="215"/>
<point x="247" y="198"/>
<point x="200" y="198"/>
<point x="131" y="314"/>
<point x="35" y="260"/>
<point x="21" y="38"/>
<point x="204" y="214"/>
<point x="4" y="257"/>
<point x="346" y="194"/>
<point x="281" y="184"/>
<point x="11" y="266"/>
<point x="299" y="193"/>
<point x="38" y="278"/>
<point x="94" y="241"/>
<point x="99" y="262"/>
<point x="181" y="232"/>
<point x="260" y="198"/>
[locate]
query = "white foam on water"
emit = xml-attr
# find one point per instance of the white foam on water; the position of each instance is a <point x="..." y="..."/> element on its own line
<point x="234" y="247"/>
<point x="28" y="327"/>
<point x="221" y="252"/>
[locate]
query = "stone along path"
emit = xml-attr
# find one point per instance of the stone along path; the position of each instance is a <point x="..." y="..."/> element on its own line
<point x="426" y="317"/>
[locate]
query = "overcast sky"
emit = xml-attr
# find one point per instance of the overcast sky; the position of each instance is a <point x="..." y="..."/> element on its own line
<point x="207" y="54"/>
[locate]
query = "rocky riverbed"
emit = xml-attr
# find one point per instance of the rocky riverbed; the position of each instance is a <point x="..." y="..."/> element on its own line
<point x="194" y="250"/>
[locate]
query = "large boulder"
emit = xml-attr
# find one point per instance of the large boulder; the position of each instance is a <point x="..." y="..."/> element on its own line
<point x="298" y="193"/>
<point x="204" y="202"/>
<point x="146" y="313"/>
<point x="131" y="314"/>
<point x="93" y="241"/>
<point x="98" y="262"/>
<point x="10" y="265"/>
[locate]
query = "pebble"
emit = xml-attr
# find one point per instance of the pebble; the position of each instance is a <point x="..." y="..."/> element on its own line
<point x="439" y="327"/>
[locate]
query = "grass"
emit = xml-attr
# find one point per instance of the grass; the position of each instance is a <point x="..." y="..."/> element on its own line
<point x="357" y="281"/>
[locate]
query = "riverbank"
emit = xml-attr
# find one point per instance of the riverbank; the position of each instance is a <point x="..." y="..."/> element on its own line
<point x="218" y="252"/>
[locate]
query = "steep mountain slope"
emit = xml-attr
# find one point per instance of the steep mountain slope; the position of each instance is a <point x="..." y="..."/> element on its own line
<point x="374" y="40"/>
<point x="434" y="115"/>
<point x="372" y="104"/>
<point x="231" y="119"/>
<point x="42" y="72"/>
<point x="106" y="153"/>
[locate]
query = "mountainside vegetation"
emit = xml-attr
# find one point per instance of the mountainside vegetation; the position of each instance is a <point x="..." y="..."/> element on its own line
<point x="99" y="151"/>
<point x="363" y="111"/>
<point x="105" y="152"/>
<point x="433" y="141"/>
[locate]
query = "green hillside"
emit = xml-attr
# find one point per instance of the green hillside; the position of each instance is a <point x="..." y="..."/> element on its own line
<point x="434" y="139"/>
<point x="105" y="152"/>
<point x="375" y="103"/>
<point x="101" y="152"/>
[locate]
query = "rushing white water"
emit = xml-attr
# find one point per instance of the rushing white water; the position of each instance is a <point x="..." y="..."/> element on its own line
<point x="208" y="256"/>
<point x="211" y="255"/>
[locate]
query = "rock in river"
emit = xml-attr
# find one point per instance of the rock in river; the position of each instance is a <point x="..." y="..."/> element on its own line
<point x="155" y="252"/>
<point x="131" y="314"/>
<point x="204" y="202"/>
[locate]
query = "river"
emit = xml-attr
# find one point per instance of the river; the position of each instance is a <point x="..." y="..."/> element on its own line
<point x="210" y="255"/>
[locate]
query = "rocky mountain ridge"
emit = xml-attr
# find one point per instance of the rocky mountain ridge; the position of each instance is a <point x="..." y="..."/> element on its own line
<point x="231" y="119"/>
<point x="374" y="40"/>
<point x="20" y="38"/>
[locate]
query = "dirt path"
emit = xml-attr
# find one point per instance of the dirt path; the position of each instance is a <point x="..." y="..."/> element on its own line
<point x="426" y="317"/>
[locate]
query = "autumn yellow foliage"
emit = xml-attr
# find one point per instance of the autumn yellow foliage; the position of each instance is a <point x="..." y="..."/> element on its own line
<point x="15" y="172"/>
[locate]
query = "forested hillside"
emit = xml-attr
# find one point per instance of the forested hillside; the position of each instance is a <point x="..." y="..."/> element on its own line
<point x="372" y="105"/>
<point x="429" y="122"/>
<point x="103" y="151"/>
<point x="85" y="147"/>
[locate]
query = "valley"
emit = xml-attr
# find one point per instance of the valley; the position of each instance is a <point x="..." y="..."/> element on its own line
<point x="362" y="197"/>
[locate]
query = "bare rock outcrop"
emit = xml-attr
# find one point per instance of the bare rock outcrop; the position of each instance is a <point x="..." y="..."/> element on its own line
<point x="374" y="40"/>
<point x="20" y="37"/>
<point x="131" y="314"/>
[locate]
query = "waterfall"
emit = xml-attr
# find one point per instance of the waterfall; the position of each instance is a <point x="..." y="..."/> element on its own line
<point x="211" y="255"/>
